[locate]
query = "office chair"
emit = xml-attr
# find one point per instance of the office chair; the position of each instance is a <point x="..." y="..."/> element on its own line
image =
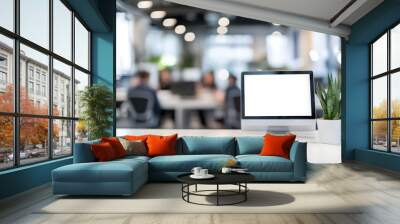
<point x="137" y="112"/>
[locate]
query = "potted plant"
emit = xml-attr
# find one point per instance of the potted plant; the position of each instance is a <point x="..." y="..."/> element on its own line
<point x="96" y="103"/>
<point x="329" y="127"/>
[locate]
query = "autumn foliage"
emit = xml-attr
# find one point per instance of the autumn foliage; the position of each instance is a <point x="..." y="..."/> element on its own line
<point x="380" y="127"/>
<point x="33" y="131"/>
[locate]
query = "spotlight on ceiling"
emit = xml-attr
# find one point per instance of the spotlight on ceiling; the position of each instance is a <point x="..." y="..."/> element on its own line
<point x="144" y="4"/>
<point x="180" y="29"/>
<point x="223" y="21"/>
<point x="158" y="14"/>
<point x="169" y="22"/>
<point x="189" y="36"/>
<point x="276" y="24"/>
<point x="221" y="30"/>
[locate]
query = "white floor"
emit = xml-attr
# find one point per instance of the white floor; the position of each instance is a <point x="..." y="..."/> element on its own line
<point x="316" y="152"/>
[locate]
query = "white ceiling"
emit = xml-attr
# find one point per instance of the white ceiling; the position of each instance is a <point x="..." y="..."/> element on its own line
<point x="320" y="9"/>
<point x="315" y="15"/>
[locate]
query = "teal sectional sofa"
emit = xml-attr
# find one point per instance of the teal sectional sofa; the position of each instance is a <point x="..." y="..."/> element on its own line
<point x="125" y="176"/>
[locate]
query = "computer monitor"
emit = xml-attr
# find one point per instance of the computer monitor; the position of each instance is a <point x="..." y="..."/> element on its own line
<point x="278" y="101"/>
<point x="184" y="88"/>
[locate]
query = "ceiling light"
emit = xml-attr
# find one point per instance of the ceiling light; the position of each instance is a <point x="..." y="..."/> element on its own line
<point x="221" y="30"/>
<point x="223" y="74"/>
<point x="223" y="21"/>
<point x="144" y="4"/>
<point x="158" y="14"/>
<point x="276" y="24"/>
<point x="189" y="36"/>
<point x="276" y="33"/>
<point x="314" y="56"/>
<point x="169" y="22"/>
<point x="180" y="29"/>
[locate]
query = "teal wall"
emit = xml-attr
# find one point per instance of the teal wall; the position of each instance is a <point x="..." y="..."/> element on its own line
<point x="99" y="15"/>
<point x="27" y="177"/>
<point x="356" y="85"/>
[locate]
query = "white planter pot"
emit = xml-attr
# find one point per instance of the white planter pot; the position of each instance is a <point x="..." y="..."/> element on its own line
<point x="329" y="131"/>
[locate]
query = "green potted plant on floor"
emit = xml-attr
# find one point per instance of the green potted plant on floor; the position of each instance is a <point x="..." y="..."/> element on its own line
<point x="329" y="127"/>
<point x="96" y="104"/>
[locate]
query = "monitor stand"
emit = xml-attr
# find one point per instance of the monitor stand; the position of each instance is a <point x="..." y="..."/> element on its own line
<point x="278" y="130"/>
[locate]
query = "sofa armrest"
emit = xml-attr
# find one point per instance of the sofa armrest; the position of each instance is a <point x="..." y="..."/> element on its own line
<point x="298" y="155"/>
<point x="83" y="152"/>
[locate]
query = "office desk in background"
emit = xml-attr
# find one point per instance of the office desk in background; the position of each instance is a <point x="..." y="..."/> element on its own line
<point x="181" y="105"/>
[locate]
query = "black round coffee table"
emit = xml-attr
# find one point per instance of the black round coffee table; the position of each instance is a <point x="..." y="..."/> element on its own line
<point x="238" y="179"/>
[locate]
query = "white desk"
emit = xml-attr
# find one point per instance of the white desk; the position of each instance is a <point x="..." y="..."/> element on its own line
<point x="168" y="101"/>
<point x="180" y="106"/>
<point x="316" y="152"/>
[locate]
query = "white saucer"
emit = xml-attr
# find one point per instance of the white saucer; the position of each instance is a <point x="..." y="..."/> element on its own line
<point x="208" y="176"/>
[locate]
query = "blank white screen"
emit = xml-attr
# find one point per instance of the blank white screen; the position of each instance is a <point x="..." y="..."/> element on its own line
<point x="277" y="95"/>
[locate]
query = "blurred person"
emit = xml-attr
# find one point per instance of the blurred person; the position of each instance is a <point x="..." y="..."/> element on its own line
<point x="165" y="83"/>
<point x="164" y="79"/>
<point x="207" y="83"/>
<point x="232" y="104"/>
<point x="139" y="95"/>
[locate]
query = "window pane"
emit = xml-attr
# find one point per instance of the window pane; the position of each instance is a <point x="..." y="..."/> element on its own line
<point x="7" y="14"/>
<point x="33" y="139"/>
<point x="379" y="56"/>
<point x="6" y="74"/>
<point x="395" y="47"/>
<point x="81" y="45"/>
<point x="35" y="21"/>
<point x="34" y="97"/>
<point x="62" y="89"/>
<point x="81" y="81"/>
<point x="395" y="94"/>
<point x="379" y="135"/>
<point x="6" y="142"/>
<point x="379" y="97"/>
<point x="81" y="131"/>
<point x="62" y="29"/>
<point x="395" y="136"/>
<point x="62" y="138"/>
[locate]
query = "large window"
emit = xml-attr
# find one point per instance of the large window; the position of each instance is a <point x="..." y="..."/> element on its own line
<point x="385" y="91"/>
<point x="44" y="64"/>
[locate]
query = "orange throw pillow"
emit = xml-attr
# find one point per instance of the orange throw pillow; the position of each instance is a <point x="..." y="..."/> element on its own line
<point x="161" y="145"/>
<point x="116" y="145"/>
<point x="136" y="137"/>
<point x="103" y="152"/>
<point x="277" y="145"/>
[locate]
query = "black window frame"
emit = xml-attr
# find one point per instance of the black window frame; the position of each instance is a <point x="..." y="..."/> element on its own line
<point x="16" y="115"/>
<point x="388" y="74"/>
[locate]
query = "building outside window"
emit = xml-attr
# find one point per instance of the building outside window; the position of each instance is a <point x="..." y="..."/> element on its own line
<point x="56" y="127"/>
<point x="30" y="87"/>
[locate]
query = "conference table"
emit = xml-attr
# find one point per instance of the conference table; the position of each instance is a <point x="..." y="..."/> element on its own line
<point x="204" y="100"/>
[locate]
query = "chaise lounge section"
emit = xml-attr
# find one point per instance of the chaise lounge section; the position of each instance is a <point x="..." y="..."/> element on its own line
<point x="125" y="176"/>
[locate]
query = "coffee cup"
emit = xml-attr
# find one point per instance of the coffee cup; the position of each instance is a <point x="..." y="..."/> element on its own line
<point x="226" y="170"/>
<point x="203" y="172"/>
<point x="196" y="171"/>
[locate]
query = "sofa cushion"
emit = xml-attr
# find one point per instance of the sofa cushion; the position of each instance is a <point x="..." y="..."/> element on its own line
<point x="277" y="145"/>
<point x="83" y="152"/>
<point x="103" y="152"/>
<point x="249" y="145"/>
<point x="197" y="145"/>
<point x="161" y="145"/>
<point x="257" y="163"/>
<point x="112" y="171"/>
<point x="116" y="145"/>
<point x="136" y="147"/>
<point x="185" y="163"/>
